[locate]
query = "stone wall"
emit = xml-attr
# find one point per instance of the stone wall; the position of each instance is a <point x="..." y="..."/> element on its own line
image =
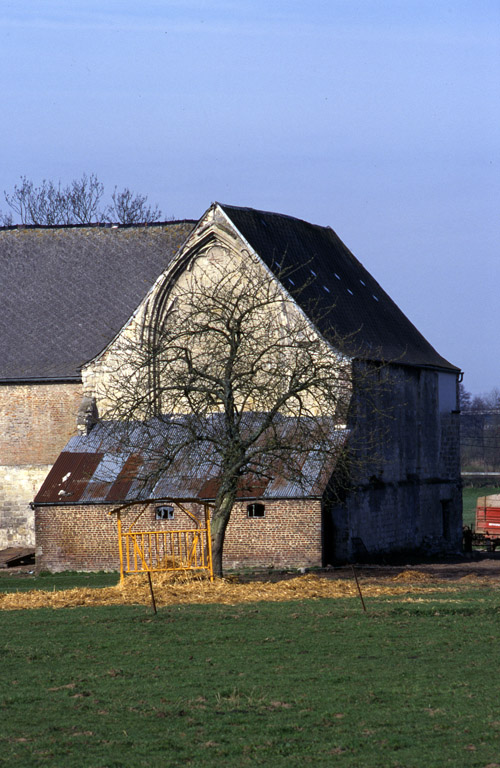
<point x="36" y="421"/>
<point x="18" y="487"/>
<point x="405" y="491"/>
<point x="84" y="538"/>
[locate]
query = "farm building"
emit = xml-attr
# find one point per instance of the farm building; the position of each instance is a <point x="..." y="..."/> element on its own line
<point x="406" y="493"/>
<point x="96" y="475"/>
<point x="65" y="292"/>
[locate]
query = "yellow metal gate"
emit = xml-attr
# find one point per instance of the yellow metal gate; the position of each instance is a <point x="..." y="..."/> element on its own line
<point x="184" y="549"/>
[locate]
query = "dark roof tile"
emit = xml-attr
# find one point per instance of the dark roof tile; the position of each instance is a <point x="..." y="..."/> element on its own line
<point x="66" y="291"/>
<point x="340" y="296"/>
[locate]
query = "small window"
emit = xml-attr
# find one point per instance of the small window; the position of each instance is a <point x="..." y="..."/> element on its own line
<point x="256" y="510"/>
<point x="164" y="513"/>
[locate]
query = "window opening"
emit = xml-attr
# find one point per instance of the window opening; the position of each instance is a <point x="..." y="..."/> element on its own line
<point x="166" y="512"/>
<point x="256" y="510"/>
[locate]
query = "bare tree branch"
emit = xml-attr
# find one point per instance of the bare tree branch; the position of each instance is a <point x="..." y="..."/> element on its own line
<point x="227" y="359"/>
<point x="79" y="202"/>
<point x="130" y="208"/>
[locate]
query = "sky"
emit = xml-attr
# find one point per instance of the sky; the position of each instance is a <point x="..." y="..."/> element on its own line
<point x="379" y="118"/>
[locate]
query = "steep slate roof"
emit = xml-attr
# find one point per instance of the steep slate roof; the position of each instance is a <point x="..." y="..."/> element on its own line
<point x="65" y="291"/>
<point x="334" y="277"/>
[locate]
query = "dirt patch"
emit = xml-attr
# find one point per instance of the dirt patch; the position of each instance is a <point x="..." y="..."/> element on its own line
<point x="480" y="564"/>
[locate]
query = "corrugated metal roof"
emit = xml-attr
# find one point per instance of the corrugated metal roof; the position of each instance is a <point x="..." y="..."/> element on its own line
<point x="69" y="477"/>
<point x="106" y="466"/>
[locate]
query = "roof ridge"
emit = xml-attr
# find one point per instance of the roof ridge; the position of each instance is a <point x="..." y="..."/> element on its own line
<point x="95" y="225"/>
<point x="225" y="206"/>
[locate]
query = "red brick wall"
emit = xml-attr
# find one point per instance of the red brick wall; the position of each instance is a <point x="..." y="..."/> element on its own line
<point x="289" y="535"/>
<point x="36" y="421"/>
<point x="85" y="537"/>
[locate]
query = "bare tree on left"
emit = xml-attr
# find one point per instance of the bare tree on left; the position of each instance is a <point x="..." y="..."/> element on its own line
<point x="79" y="202"/>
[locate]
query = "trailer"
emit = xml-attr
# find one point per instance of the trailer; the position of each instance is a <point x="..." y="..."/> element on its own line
<point x="487" y="527"/>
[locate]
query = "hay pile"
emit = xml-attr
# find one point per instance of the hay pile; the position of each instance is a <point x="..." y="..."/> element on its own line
<point x="413" y="576"/>
<point x="176" y="590"/>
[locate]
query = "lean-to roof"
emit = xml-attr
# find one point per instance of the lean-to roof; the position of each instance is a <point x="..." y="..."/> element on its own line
<point x="118" y="463"/>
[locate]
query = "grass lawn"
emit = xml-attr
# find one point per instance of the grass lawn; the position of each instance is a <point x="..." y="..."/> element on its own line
<point x="410" y="684"/>
<point x="470" y="496"/>
<point x="15" y="582"/>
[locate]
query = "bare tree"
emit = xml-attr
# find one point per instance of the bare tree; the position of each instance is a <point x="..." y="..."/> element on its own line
<point x="80" y="202"/>
<point x="480" y="431"/>
<point x="227" y="360"/>
<point x="130" y="208"/>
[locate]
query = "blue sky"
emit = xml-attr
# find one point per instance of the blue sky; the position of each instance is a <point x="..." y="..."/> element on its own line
<point x="379" y="118"/>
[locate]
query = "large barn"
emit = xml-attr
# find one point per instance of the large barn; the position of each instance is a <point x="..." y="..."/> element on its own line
<point x="406" y="492"/>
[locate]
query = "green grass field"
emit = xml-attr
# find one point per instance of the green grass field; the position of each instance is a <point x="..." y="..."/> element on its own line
<point x="410" y="684"/>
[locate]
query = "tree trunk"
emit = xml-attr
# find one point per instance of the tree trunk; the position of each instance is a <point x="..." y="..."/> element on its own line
<point x="220" y="519"/>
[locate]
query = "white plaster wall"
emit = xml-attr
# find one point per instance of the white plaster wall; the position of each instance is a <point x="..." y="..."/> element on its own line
<point x="18" y="487"/>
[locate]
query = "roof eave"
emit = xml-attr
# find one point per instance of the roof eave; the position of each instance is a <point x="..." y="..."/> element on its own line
<point x="42" y="380"/>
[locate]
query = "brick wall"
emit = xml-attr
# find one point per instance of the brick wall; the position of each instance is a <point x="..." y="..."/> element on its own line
<point x="36" y="421"/>
<point x="288" y="536"/>
<point x="85" y="537"/>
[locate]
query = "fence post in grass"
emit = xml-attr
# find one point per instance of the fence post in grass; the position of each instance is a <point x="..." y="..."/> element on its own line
<point x="359" y="588"/>
<point x="152" y="593"/>
<point x="120" y="545"/>
<point x="209" y="542"/>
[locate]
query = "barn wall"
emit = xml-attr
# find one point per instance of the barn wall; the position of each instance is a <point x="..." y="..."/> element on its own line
<point x="120" y="376"/>
<point x="36" y="421"/>
<point x="84" y="538"/>
<point x="406" y="493"/>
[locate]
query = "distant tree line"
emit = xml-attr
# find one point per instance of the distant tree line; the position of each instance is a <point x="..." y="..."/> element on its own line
<point x="480" y="431"/>
<point x="79" y="202"/>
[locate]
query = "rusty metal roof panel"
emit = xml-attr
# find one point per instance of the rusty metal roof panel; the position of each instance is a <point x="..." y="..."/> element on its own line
<point x="125" y="477"/>
<point x="68" y="478"/>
